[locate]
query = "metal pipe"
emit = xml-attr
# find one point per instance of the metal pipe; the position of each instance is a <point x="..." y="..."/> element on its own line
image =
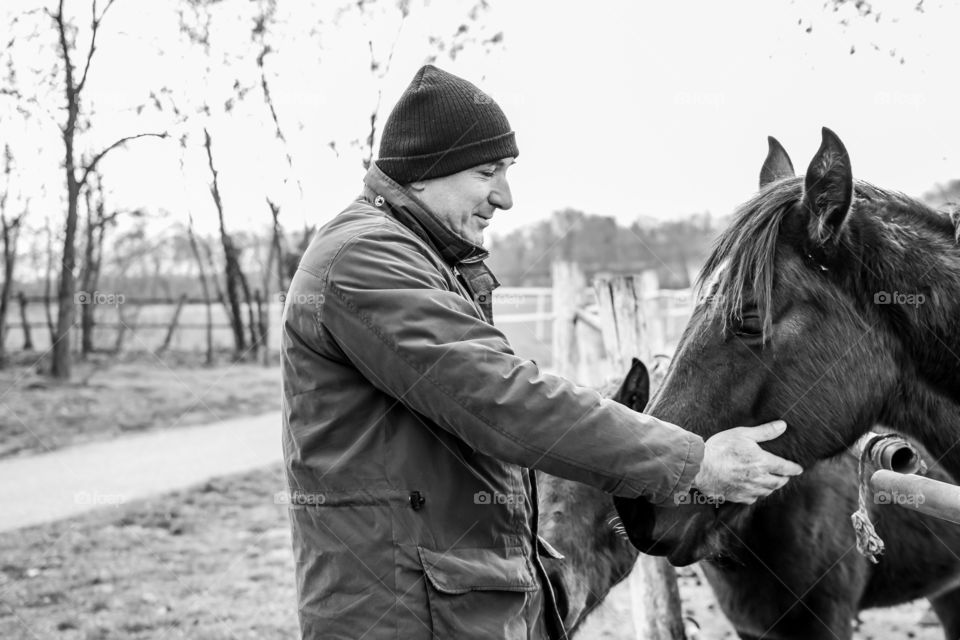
<point x="932" y="497"/>
<point x="891" y="453"/>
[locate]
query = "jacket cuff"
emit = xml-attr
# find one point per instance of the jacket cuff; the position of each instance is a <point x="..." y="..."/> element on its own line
<point x="689" y="470"/>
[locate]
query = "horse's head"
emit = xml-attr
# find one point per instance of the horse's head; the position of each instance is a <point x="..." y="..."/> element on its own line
<point x="781" y="329"/>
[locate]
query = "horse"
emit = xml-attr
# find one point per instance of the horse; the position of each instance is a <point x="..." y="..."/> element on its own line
<point x="576" y="519"/>
<point x="830" y="303"/>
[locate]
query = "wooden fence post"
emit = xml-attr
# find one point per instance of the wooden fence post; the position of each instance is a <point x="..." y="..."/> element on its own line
<point x="568" y="283"/>
<point x="656" y="320"/>
<point x="541" y="326"/>
<point x="653" y="583"/>
<point x="174" y="321"/>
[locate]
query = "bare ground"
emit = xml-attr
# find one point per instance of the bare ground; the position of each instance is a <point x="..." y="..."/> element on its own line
<point x="214" y="562"/>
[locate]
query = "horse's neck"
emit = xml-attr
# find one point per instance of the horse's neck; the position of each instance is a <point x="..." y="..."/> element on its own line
<point x="909" y="275"/>
<point x="932" y="418"/>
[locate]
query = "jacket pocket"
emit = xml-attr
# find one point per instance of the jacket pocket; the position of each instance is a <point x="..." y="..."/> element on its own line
<point x="481" y="593"/>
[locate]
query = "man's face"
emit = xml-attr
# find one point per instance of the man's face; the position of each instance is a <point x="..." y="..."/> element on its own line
<point x="465" y="201"/>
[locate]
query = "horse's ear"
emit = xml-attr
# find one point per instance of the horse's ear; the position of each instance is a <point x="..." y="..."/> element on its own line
<point x="635" y="390"/>
<point x="828" y="189"/>
<point x="777" y="166"/>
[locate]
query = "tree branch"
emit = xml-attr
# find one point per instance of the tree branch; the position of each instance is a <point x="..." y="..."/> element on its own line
<point x="65" y="50"/>
<point x="94" y="28"/>
<point x="97" y="158"/>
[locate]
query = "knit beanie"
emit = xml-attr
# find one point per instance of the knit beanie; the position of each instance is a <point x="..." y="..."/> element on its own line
<point x="442" y="124"/>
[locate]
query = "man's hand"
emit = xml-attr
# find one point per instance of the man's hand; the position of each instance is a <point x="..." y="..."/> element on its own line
<point x="736" y="469"/>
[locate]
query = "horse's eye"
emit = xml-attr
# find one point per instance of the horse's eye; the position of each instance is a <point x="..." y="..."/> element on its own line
<point x="750" y="325"/>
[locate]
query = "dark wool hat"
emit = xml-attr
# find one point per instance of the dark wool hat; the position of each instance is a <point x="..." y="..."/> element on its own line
<point x="442" y="124"/>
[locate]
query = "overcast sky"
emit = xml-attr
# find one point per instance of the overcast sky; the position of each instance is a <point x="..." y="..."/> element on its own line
<point x="630" y="109"/>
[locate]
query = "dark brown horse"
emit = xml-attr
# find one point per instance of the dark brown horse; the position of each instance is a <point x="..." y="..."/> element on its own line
<point x="832" y="304"/>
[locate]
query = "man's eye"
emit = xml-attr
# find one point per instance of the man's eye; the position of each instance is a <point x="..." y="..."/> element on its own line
<point x="488" y="173"/>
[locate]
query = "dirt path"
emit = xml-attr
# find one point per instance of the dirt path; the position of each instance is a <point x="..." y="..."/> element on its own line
<point x="70" y="481"/>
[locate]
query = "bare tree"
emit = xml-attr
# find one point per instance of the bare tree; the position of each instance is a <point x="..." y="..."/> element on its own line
<point x="98" y="220"/>
<point x="10" y="227"/>
<point x="206" y="290"/>
<point x="78" y="171"/>
<point x="47" y="281"/>
<point x="379" y="69"/>
<point x="260" y="32"/>
<point x="27" y="337"/>
<point x="232" y="271"/>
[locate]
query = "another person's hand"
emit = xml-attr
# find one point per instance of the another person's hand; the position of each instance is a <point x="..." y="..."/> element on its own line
<point x="736" y="469"/>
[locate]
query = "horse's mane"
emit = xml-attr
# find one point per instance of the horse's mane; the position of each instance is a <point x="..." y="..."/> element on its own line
<point x="744" y="254"/>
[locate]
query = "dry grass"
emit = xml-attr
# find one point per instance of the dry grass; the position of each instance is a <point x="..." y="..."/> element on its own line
<point x="108" y="398"/>
<point x="213" y="562"/>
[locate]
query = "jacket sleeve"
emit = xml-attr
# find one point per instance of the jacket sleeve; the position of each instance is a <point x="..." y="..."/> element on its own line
<point x="388" y="309"/>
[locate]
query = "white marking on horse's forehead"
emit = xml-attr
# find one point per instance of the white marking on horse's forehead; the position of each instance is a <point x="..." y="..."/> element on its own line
<point x="710" y="285"/>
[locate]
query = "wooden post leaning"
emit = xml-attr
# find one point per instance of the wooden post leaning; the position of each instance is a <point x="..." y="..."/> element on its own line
<point x="653" y="583"/>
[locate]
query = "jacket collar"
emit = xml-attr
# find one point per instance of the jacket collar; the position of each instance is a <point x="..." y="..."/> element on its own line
<point x="381" y="191"/>
<point x="413" y="214"/>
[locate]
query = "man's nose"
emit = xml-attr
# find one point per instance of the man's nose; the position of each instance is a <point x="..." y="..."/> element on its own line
<point x="500" y="196"/>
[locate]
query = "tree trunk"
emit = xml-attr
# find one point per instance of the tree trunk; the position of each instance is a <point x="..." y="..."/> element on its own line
<point x="221" y="298"/>
<point x="67" y="287"/>
<point x="264" y="319"/>
<point x="86" y="274"/>
<point x="276" y="253"/>
<point x="46" y="286"/>
<point x="27" y="339"/>
<point x="10" y="234"/>
<point x="206" y="292"/>
<point x="263" y="323"/>
<point x="254" y="340"/>
<point x="277" y="248"/>
<point x="231" y="262"/>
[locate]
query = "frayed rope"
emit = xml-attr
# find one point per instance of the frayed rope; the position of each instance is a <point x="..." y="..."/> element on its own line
<point x="869" y="542"/>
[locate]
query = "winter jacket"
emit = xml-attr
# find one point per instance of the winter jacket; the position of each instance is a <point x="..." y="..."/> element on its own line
<point x="410" y="428"/>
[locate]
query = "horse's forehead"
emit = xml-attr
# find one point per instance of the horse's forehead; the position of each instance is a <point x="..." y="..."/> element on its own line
<point x="713" y="279"/>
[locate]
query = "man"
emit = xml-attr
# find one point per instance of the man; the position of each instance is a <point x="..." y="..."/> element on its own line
<point x="410" y="425"/>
